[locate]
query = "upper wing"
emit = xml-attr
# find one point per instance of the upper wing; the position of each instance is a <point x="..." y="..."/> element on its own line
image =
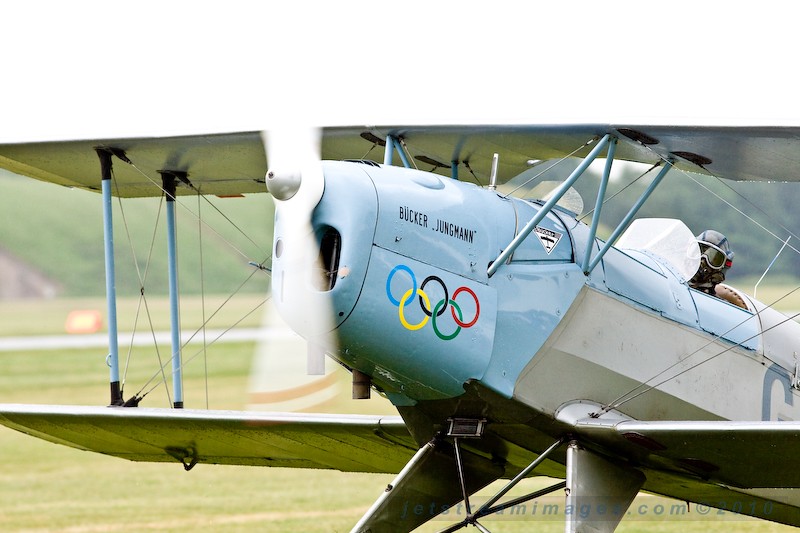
<point x="352" y="443"/>
<point x="234" y="163"/>
<point x="738" y="153"/>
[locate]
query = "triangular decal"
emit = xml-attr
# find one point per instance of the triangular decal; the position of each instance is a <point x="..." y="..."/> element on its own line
<point x="548" y="238"/>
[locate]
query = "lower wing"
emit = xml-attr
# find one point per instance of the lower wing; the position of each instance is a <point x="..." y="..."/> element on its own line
<point x="352" y="443"/>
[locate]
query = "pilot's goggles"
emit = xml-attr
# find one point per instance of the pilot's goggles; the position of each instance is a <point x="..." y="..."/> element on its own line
<point x="715" y="256"/>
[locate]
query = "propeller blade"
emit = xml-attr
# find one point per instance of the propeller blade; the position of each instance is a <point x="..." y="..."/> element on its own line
<point x="295" y="180"/>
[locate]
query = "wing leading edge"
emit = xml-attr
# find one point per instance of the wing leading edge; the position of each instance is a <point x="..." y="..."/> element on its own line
<point x="351" y="443"/>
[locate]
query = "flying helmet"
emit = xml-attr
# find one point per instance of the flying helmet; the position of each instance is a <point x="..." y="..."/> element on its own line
<point x="715" y="252"/>
<point x="716" y="257"/>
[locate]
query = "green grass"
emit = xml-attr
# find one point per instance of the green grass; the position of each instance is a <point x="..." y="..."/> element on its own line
<point x="46" y="487"/>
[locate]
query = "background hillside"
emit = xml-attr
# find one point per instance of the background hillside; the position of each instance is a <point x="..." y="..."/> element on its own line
<point x="58" y="232"/>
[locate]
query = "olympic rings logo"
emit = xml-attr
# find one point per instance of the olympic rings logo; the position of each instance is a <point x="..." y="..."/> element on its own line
<point x="432" y="314"/>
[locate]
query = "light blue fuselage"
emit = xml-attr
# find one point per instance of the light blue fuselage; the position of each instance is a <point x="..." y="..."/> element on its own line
<point x="415" y="309"/>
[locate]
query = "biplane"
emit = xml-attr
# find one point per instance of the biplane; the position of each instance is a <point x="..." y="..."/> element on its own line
<point x="512" y="340"/>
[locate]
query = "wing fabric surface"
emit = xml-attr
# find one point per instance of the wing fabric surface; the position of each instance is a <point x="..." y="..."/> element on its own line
<point x="737" y="153"/>
<point x="351" y="443"/>
<point x="737" y="454"/>
<point x="747" y="468"/>
<point x="235" y="163"/>
<point x="224" y="164"/>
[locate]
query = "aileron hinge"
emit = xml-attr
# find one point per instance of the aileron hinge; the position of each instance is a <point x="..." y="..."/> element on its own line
<point x="187" y="456"/>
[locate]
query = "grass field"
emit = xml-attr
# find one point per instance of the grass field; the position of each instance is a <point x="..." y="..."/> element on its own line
<point x="46" y="487"/>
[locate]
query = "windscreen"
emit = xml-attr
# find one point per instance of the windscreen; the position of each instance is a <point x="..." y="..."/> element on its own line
<point x="667" y="238"/>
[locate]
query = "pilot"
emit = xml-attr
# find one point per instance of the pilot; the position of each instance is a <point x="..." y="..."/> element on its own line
<point x="716" y="257"/>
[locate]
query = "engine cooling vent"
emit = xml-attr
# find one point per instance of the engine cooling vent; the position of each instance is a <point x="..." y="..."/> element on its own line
<point x="367" y="162"/>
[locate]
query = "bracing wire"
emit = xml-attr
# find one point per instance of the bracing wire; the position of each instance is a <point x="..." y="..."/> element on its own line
<point x="623" y="189"/>
<point x="622" y="400"/>
<point x="227" y="219"/>
<point x="472" y="173"/>
<point x="646" y="386"/>
<point x="142" y="277"/>
<point x="143" y="301"/>
<point x="722" y="181"/>
<point x="748" y="217"/>
<point x="202" y="292"/>
<point x="213" y="341"/>
<point x="543" y="171"/>
<point x="191" y="358"/>
<point x="632" y="393"/>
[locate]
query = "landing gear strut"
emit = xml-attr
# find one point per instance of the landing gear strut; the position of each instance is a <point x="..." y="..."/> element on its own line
<point x="489" y="507"/>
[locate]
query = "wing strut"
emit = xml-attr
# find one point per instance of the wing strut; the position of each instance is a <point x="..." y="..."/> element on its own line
<point x="598" y="206"/>
<point x="170" y="181"/>
<point x="529" y="227"/>
<point x="623" y="225"/>
<point x="106" y="168"/>
<point x="393" y="143"/>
